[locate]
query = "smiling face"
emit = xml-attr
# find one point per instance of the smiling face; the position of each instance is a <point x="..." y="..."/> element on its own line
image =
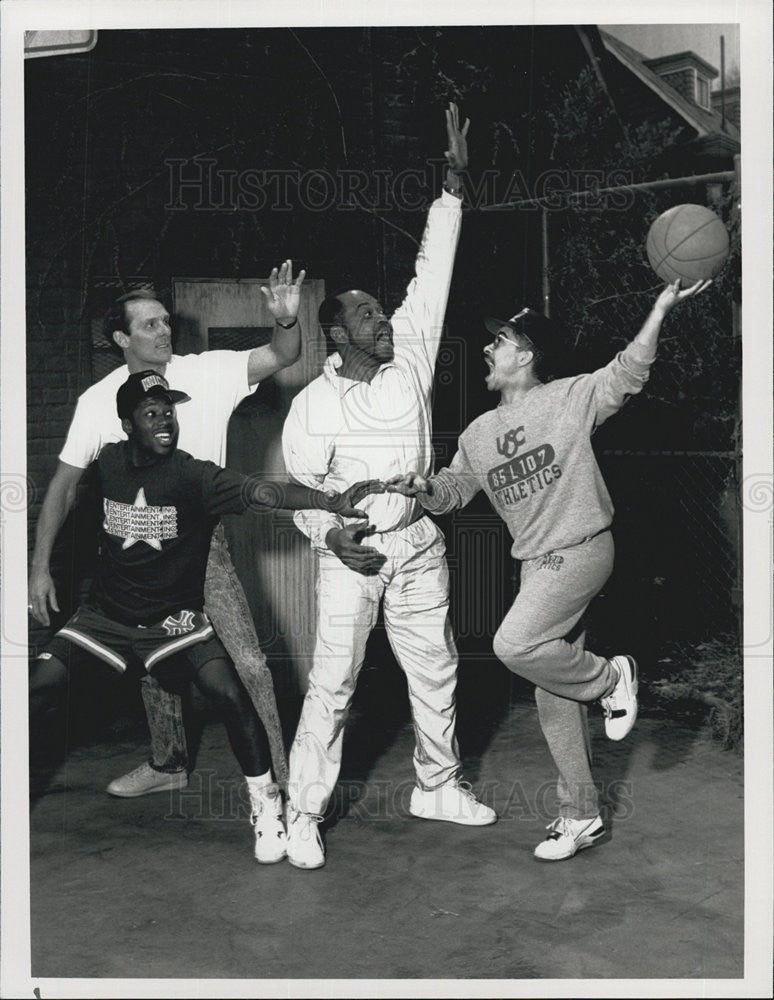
<point x="148" y="342"/>
<point x="364" y="327"/>
<point x="153" y="426"/>
<point x="506" y="356"/>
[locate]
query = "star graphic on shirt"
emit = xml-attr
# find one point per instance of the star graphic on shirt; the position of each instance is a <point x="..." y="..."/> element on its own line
<point x="140" y="502"/>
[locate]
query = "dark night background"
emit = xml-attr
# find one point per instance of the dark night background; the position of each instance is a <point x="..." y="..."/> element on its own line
<point x="101" y="128"/>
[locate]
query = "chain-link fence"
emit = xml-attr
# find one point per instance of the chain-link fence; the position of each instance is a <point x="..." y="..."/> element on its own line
<point x="671" y="458"/>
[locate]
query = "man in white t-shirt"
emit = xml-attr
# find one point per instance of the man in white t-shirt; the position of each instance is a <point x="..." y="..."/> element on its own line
<point x="138" y="326"/>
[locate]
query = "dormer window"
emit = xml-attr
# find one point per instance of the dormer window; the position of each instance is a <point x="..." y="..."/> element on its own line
<point x="702" y="91"/>
<point x="688" y="74"/>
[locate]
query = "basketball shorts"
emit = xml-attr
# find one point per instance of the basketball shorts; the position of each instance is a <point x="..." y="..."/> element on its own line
<point x="186" y="632"/>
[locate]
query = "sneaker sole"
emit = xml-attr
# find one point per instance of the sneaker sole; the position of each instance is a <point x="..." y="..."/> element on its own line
<point x="270" y="861"/>
<point x="169" y="786"/>
<point x="306" y="868"/>
<point x="452" y="819"/>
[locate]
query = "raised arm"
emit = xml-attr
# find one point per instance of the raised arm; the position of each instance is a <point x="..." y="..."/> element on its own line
<point x="57" y="503"/>
<point x="667" y="300"/>
<point x="283" y="298"/>
<point x="457" y="153"/>
<point x="597" y="396"/>
<point x="418" y="321"/>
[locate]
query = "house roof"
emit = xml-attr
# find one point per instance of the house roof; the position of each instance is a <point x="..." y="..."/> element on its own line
<point x="684" y="57"/>
<point x="704" y="121"/>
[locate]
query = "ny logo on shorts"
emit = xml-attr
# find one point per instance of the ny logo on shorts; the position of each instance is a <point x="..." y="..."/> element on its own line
<point x="179" y="624"/>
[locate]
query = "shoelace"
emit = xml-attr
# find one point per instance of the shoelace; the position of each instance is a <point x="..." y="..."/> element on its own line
<point x="466" y="788"/>
<point x="315" y="816"/>
<point x="310" y="822"/>
<point x="295" y="816"/>
<point x="562" y="827"/>
<point x="558" y="828"/>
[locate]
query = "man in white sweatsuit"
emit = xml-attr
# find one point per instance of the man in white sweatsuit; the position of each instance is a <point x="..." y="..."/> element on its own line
<point x="366" y="416"/>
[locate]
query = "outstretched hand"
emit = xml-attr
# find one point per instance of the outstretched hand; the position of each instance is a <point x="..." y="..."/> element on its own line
<point x="344" y="503"/>
<point x="672" y="294"/>
<point x="408" y="485"/>
<point x="283" y="296"/>
<point x="457" y="153"/>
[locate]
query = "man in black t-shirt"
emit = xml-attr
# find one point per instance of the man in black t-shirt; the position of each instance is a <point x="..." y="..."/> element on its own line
<point x="146" y="603"/>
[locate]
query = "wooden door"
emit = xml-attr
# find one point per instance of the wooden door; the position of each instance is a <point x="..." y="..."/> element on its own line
<point x="271" y="556"/>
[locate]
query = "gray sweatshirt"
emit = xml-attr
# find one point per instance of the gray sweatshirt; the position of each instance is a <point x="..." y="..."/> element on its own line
<point x="533" y="458"/>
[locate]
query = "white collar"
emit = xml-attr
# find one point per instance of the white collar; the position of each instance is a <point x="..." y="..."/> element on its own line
<point x="330" y="370"/>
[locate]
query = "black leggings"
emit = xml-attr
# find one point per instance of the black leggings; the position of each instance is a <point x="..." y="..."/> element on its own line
<point x="217" y="680"/>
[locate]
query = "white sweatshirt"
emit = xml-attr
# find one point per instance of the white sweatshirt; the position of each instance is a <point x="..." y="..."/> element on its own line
<point x="339" y="431"/>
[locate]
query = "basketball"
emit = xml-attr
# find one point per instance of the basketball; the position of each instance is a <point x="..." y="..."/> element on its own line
<point x="688" y="242"/>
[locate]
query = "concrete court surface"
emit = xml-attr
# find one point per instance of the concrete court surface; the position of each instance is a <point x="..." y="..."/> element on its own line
<point x="165" y="885"/>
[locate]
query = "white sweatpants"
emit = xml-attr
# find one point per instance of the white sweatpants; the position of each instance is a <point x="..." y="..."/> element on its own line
<point x="414" y="583"/>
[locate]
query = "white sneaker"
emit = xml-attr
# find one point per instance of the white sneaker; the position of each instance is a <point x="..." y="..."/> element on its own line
<point x="620" y="707"/>
<point x="145" y="779"/>
<point x="568" y="836"/>
<point x="305" y="846"/>
<point x="271" y="844"/>
<point x="453" y="802"/>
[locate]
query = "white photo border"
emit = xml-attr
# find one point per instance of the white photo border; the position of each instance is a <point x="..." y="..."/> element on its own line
<point x="754" y="17"/>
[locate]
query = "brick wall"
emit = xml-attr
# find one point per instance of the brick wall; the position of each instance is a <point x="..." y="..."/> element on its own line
<point x="100" y="124"/>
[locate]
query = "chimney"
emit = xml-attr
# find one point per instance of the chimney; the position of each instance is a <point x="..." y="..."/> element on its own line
<point x="732" y="102"/>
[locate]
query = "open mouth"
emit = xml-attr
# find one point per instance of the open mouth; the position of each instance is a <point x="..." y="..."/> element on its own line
<point x="163" y="437"/>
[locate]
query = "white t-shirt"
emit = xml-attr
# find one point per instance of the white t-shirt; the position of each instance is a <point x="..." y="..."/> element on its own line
<point x="216" y="381"/>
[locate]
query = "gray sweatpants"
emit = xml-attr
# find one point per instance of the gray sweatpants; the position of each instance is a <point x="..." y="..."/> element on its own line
<point x="556" y="589"/>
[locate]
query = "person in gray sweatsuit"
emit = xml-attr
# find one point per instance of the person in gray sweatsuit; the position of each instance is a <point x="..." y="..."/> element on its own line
<point x="533" y="458"/>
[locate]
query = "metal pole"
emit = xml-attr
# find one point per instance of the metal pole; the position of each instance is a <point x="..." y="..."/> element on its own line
<point x="723" y="175"/>
<point x="722" y="82"/>
<point x="546" y="281"/>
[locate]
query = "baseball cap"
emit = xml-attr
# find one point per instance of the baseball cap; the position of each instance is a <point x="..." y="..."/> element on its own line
<point x="141" y="385"/>
<point x="540" y="330"/>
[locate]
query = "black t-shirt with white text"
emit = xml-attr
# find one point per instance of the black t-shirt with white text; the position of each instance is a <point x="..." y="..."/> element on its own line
<point x="156" y="531"/>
